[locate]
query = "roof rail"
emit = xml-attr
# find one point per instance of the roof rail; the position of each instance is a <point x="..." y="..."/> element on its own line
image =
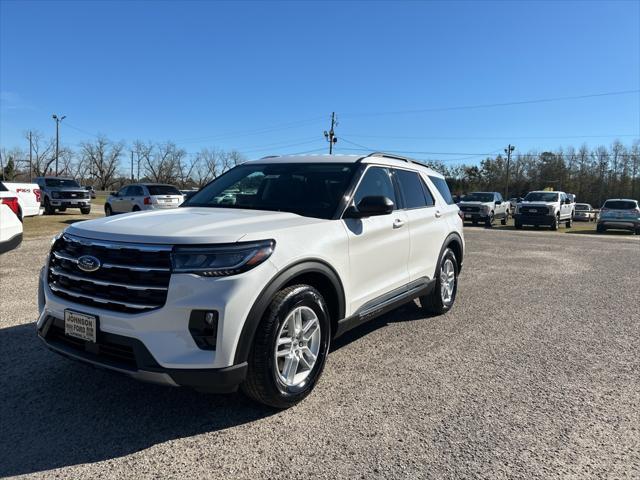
<point x="269" y="156"/>
<point x="394" y="157"/>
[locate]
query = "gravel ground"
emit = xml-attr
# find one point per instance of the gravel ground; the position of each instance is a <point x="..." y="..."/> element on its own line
<point x="534" y="374"/>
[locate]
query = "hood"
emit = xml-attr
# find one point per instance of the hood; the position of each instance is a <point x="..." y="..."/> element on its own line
<point x="190" y="225"/>
<point x="474" y="203"/>
<point x="66" y="189"/>
<point x="538" y="204"/>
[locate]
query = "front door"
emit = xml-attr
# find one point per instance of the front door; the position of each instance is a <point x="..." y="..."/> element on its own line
<point x="378" y="245"/>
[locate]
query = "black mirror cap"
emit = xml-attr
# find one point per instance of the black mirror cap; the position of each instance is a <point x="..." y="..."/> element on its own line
<point x="371" y="206"/>
<point x="115" y="194"/>
<point x="498" y="202"/>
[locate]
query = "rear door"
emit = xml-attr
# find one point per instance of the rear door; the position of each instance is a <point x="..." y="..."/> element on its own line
<point x="426" y="232"/>
<point x="379" y="245"/>
<point x="136" y="196"/>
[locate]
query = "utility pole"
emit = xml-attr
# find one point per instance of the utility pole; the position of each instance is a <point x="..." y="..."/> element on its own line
<point x="57" y="120"/>
<point x="330" y="135"/>
<point x="132" y="165"/>
<point x="138" y="175"/>
<point x="30" y="157"/>
<point x="508" y="151"/>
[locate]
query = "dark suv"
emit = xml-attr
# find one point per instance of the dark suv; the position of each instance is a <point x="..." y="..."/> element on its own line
<point x="61" y="193"/>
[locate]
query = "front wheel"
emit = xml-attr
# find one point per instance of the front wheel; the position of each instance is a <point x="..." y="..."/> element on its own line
<point x="489" y="221"/>
<point x="442" y="298"/>
<point x="85" y="210"/>
<point x="505" y="219"/>
<point x="108" y="211"/>
<point x="600" y="228"/>
<point x="556" y="224"/>
<point x="289" y="349"/>
<point x="48" y="209"/>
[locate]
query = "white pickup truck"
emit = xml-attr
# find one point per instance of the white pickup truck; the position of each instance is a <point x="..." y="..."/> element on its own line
<point x="484" y="207"/>
<point x="28" y="197"/>
<point x="545" y="208"/>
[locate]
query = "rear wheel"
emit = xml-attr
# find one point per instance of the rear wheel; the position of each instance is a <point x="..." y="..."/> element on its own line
<point x="107" y="210"/>
<point x="289" y="349"/>
<point x="85" y="210"/>
<point x="136" y="209"/>
<point x="444" y="294"/>
<point x="569" y="223"/>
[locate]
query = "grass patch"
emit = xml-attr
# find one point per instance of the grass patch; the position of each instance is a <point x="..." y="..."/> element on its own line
<point x="50" y="225"/>
<point x="578" y="228"/>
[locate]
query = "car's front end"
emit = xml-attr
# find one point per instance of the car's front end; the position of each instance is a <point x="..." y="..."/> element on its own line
<point x="474" y="211"/>
<point x="160" y="312"/>
<point x="69" y="198"/>
<point x="535" y="214"/>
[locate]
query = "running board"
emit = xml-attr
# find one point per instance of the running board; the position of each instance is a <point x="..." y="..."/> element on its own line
<point x="385" y="303"/>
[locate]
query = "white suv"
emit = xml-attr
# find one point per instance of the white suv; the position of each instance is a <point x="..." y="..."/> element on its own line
<point x="248" y="282"/>
<point x="143" y="196"/>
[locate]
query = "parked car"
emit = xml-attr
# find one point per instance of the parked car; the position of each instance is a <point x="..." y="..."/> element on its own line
<point x="91" y="191"/>
<point x="28" y="197"/>
<point x="61" y="193"/>
<point x="10" y="220"/>
<point x="584" y="212"/>
<point x="215" y="295"/>
<point x="484" y="207"/>
<point x="619" y="214"/>
<point x="513" y="204"/>
<point x="187" y="194"/>
<point x="544" y="208"/>
<point x="143" y="196"/>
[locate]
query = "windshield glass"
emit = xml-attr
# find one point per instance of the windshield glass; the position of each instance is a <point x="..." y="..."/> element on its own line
<point x="583" y="206"/>
<point x="478" y="197"/>
<point x="307" y="189"/>
<point x="541" y="197"/>
<point x="60" y="182"/>
<point x="619" y="204"/>
<point x="163" y="190"/>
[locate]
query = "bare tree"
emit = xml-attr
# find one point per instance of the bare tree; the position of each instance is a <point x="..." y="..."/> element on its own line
<point x="43" y="153"/>
<point x="103" y="157"/>
<point x="162" y="165"/>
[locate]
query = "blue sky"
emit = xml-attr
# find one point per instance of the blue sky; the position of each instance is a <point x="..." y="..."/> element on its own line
<point x="263" y="77"/>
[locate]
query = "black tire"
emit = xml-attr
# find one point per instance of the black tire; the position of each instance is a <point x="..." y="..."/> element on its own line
<point x="601" y="228"/>
<point x="48" y="209"/>
<point x="434" y="303"/>
<point x="62" y="209"/>
<point x="136" y="209"/>
<point x="518" y="225"/>
<point x="489" y="221"/>
<point x="263" y="383"/>
<point x="85" y="211"/>
<point x="569" y="223"/>
<point x="556" y="224"/>
<point x="108" y="210"/>
<point x="505" y="219"/>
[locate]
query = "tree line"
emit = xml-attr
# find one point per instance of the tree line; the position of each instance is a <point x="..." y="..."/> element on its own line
<point x="106" y="164"/>
<point x="592" y="174"/>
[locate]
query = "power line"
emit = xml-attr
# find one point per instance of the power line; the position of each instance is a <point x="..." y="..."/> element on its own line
<point x="406" y="137"/>
<point x="493" y="105"/>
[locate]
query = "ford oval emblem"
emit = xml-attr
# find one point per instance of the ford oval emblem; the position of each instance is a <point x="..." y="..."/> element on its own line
<point x="88" y="263"/>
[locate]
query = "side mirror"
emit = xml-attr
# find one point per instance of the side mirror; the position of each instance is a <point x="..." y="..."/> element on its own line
<point x="519" y="200"/>
<point x="113" y="194"/>
<point x="370" y="207"/>
<point x="498" y="202"/>
<point x="567" y="201"/>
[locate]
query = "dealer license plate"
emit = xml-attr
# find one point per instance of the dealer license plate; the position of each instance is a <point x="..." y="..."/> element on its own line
<point x="467" y="215"/>
<point x="80" y="325"/>
<point x="533" y="210"/>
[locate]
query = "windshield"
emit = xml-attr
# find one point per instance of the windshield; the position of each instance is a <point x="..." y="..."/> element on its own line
<point x="478" y="197"/>
<point x="541" y="197"/>
<point x="60" y="182"/>
<point x="163" y="190"/>
<point x="620" y="204"/>
<point x="307" y="189"/>
<point x="583" y="206"/>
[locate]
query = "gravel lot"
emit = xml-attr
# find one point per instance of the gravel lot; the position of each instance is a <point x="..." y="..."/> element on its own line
<point x="534" y="374"/>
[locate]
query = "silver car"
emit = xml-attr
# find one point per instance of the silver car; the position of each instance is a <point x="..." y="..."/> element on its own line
<point x="619" y="214"/>
<point x="143" y="196"/>
<point x="584" y="212"/>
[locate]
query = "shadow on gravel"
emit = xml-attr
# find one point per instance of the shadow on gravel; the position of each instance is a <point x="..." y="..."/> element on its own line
<point x="55" y="412"/>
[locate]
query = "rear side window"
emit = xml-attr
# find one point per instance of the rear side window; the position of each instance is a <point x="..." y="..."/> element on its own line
<point x="620" y="204"/>
<point x="412" y="189"/>
<point x="163" y="190"/>
<point x="443" y="188"/>
<point x="3" y="188"/>
<point x="136" y="191"/>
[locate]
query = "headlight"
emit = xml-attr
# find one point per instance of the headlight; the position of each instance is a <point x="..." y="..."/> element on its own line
<point x="55" y="195"/>
<point x="486" y="208"/>
<point x="221" y="260"/>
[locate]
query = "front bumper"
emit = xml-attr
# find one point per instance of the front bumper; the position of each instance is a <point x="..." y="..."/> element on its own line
<point x="474" y="216"/>
<point x="525" y="219"/>
<point x="70" y="202"/>
<point x="130" y="357"/>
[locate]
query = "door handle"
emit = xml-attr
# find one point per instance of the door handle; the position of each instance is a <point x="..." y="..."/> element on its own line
<point x="397" y="223"/>
<point x="438" y="214"/>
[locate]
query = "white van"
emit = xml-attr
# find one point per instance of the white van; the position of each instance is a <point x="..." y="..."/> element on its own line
<point x="28" y="197"/>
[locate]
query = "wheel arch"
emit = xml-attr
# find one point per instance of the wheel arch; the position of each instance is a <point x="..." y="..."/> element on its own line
<point x="455" y="243"/>
<point x="313" y="272"/>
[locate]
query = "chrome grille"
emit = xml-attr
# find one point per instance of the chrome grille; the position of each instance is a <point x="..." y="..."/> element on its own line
<point x="534" y="210"/>
<point x="132" y="277"/>
<point x="470" y="209"/>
